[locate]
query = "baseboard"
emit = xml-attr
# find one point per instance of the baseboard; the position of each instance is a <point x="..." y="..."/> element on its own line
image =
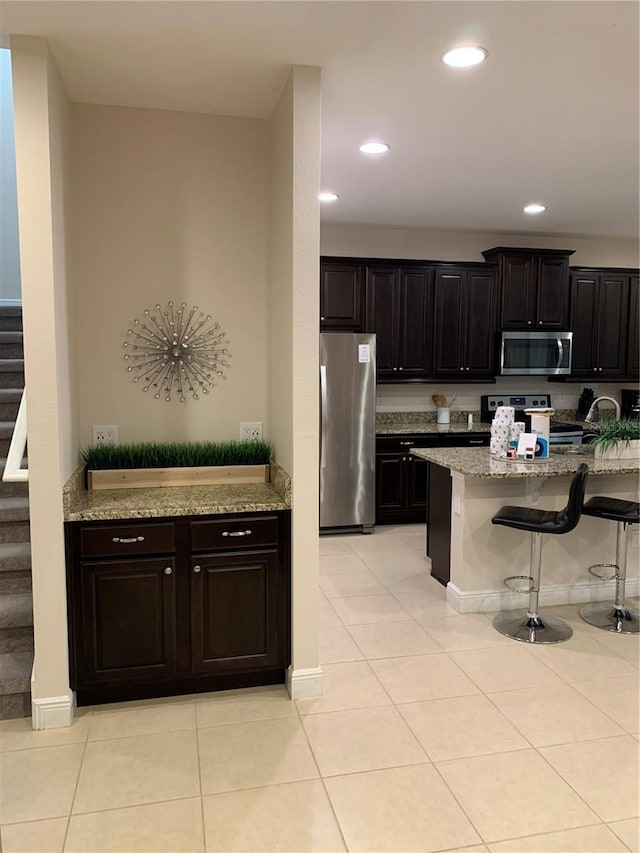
<point x="304" y="683"/>
<point x="10" y="303"/>
<point x="54" y="712"/>
<point x="489" y="600"/>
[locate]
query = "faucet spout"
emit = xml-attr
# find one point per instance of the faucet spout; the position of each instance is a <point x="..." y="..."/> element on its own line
<point x="594" y="406"/>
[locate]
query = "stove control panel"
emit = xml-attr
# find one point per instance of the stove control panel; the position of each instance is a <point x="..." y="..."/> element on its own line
<point x="490" y="402"/>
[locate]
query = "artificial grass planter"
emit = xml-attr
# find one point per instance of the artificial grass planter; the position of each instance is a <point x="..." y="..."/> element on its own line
<point x="149" y="464"/>
<point x="617" y="440"/>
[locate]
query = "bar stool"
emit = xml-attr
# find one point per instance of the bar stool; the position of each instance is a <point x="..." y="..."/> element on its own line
<point x="617" y="617"/>
<point x="530" y="626"/>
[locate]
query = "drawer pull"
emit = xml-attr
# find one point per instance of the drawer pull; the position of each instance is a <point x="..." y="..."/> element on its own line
<point x="128" y="541"/>
<point x="197" y="569"/>
<point x="168" y="570"/>
<point x="407" y="443"/>
<point x="236" y="533"/>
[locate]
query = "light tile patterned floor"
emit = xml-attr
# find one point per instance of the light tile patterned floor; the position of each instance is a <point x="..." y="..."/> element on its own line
<point x="435" y="733"/>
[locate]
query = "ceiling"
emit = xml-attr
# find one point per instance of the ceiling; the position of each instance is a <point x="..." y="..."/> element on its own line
<point x="551" y="116"/>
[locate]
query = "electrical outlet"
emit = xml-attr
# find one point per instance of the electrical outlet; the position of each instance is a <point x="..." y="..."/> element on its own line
<point x="105" y="434"/>
<point x="251" y="432"/>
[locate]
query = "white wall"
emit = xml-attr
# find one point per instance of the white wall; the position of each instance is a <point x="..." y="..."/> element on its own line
<point x="41" y="127"/>
<point x="293" y="340"/>
<point x="365" y="241"/>
<point x="9" y="252"/>
<point x="169" y="206"/>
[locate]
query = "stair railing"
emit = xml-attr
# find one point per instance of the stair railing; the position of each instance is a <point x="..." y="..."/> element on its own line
<point x="13" y="470"/>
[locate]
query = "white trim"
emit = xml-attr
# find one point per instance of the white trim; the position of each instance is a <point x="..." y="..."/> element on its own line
<point x="10" y="303"/>
<point x="304" y="683"/>
<point x="54" y="712"/>
<point x="13" y="472"/>
<point x="491" y="600"/>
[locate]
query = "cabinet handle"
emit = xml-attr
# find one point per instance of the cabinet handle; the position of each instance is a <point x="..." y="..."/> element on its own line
<point x="236" y="533"/>
<point x="462" y="368"/>
<point x="322" y="318"/>
<point x="404" y="458"/>
<point x="197" y="569"/>
<point x="407" y="443"/>
<point x="128" y="541"/>
<point x="467" y="368"/>
<point x="400" y="368"/>
<point x="595" y="369"/>
<point x="395" y="369"/>
<point x="168" y="570"/>
<point x="529" y="322"/>
<point x="539" y="322"/>
<point x="600" y="369"/>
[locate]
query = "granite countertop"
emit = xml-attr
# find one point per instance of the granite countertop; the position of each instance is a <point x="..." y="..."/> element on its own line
<point x="476" y="462"/>
<point x="112" y="504"/>
<point x="422" y="428"/>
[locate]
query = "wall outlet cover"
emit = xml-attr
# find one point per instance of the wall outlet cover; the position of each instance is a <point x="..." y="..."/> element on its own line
<point x="105" y="434"/>
<point x="251" y="431"/>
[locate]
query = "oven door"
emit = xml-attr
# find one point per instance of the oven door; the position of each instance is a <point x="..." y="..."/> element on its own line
<point x="536" y="353"/>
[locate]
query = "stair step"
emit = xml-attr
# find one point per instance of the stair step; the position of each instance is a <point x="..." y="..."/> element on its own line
<point x="10" y="489"/>
<point x="16" y="639"/>
<point x="15" y="557"/>
<point x="10" y="318"/>
<point x="12" y="365"/>
<point x="11" y="345"/>
<point x="15" y="583"/>
<point x="9" y="402"/>
<point x="15" y="672"/>
<point x="16" y="611"/>
<point x="14" y="509"/>
<point x="11" y="337"/>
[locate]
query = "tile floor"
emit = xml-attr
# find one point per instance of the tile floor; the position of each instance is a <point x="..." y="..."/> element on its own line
<point x="435" y="733"/>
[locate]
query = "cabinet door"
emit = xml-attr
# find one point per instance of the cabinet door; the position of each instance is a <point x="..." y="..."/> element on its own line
<point x="448" y="336"/>
<point x="480" y="324"/>
<point x="417" y="473"/>
<point x="390" y="489"/>
<point x="633" y="349"/>
<point x="341" y="297"/>
<point x="414" y="319"/>
<point x="127" y="620"/>
<point x="552" y="294"/>
<point x="517" y="298"/>
<point x="612" y="325"/>
<point x="584" y="309"/>
<point x="235" y="618"/>
<point x="382" y="299"/>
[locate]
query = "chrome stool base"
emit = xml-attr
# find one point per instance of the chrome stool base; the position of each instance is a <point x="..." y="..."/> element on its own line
<point x="620" y="620"/>
<point x="539" y="629"/>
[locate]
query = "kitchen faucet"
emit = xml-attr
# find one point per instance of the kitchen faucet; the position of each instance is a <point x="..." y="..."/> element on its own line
<point x="594" y="406"/>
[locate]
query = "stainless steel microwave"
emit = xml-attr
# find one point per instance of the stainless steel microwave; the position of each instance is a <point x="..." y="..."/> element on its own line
<point x="536" y="353"/>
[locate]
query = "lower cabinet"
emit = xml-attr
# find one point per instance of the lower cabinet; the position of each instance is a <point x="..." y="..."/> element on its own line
<point x="210" y="613"/>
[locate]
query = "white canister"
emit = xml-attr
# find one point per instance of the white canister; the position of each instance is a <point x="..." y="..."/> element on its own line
<point x="444" y="415"/>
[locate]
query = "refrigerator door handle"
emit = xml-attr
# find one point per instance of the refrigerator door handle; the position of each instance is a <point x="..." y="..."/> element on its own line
<point x="323" y="414"/>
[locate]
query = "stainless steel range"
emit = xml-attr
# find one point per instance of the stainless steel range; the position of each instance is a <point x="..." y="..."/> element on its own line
<point x="560" y="433"/>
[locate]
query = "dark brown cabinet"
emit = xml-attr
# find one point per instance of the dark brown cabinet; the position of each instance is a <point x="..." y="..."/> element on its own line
<point x="533" y="286"/>
<point x="399" y="311"/>
<point x="633" y="350"/>
<point x="210" y="613"/>
<point x="401" y="480"/>
<point x="342" y="296"/>
<point x="464" y="328"/>
<point x="599" y="319"/>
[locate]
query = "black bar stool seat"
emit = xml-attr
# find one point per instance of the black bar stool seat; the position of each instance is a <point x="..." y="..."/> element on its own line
<point x="617" y="617"/>
<point x="530" y="626"/>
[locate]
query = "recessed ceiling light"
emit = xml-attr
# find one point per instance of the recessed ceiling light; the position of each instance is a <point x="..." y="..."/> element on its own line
<point x="464" y="57"/>
<point x="327" y="196"/>
<point x="535" y="208"/>
<point x="374" y="148"/>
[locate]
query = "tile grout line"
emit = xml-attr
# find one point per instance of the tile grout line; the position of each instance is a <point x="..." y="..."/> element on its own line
<point x="75" y="789"/>
<point x="197" y="729"/>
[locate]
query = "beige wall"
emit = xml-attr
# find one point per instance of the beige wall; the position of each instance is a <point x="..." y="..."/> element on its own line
<point x="41" y="125"/>
<point x="169" y="206"/>
<point x="9" y="254"/>
<point x="293" y="343"/>
<point x="373" y="242"/>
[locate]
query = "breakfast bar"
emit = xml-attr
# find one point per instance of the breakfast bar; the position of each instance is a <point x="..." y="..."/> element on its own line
<point x="471" y="556"/>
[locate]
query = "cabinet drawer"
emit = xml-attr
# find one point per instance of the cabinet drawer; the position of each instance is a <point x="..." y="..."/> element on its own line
<point x="248" y="532"/>
<point x="127" y="539"/>
<point x="404" y="443"/>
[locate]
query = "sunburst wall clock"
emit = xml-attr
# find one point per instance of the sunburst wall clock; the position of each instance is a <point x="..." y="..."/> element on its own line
<point x="175" y="352"/>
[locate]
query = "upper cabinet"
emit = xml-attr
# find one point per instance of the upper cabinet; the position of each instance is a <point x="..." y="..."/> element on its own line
<point x="533" y="287"/>
<point x="399" y="311"/>
<point x="465" y="322"/>
<point x="342" y="295"/>
<point x="600" y="322"/>
<point x="633" y="350"/>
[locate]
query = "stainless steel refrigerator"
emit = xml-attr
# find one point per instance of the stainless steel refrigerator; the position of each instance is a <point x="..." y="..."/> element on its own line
<point x="347" y="431"/>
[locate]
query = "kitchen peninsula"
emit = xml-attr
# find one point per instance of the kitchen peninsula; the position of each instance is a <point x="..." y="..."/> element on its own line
<point x="471" y="556"/>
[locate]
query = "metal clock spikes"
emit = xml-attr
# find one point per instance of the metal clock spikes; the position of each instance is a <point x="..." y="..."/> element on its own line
<point x="176" y="352"/>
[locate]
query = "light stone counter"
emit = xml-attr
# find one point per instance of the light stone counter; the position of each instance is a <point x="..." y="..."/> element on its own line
<point x="82" y="505"/>
<point x="477" y="462"/>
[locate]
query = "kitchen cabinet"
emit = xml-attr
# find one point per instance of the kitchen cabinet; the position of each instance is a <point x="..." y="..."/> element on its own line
<point x="179" y="605"/>
<point x="533" y="287"/>
<point x="600" y="323"/>
<point x="399" y="311"/>
<point x="633" y="350"/>
<point x="342" y="295"/>
<point x="464" y="327"/>
<point x="402" y="480"/>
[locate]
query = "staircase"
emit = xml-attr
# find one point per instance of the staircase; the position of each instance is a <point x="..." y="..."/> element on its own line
<point x="16" y="616"/>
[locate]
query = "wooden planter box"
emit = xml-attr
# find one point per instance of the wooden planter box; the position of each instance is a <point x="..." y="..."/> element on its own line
<point x="145" y="478"/>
